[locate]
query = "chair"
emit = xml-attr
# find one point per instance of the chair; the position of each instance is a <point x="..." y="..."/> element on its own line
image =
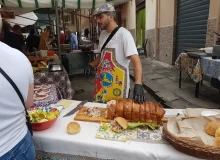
<point x="143" y="48"/>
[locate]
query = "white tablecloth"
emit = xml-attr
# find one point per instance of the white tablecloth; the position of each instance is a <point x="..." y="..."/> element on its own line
<point x="57" y="140"/>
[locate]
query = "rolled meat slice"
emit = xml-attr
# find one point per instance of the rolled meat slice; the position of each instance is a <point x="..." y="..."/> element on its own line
<point x="128" y="104"/>
<point x="160" y="113"/>
<point x="111" y="109"/>
<point x="131" y="111"/>
<point x="135" y="112"/>
<point x="142" y="113"/>
<point x="153" y="112"/>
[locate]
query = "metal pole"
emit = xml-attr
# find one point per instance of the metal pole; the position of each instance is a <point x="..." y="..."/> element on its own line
<point x="64" y="27"/>
<point x="51" y="28"/>
<point x="58" y="28"/>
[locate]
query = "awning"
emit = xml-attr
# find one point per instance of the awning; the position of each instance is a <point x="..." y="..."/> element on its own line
<point x="61" y="3"/>
<point x="24" y="19"/>
<point x="44" y="20"/>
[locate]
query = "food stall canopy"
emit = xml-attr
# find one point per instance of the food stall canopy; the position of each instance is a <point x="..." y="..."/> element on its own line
<point x="44" y="20"/>
<point x="61" y="3"/>
<point x="24" y="19"/>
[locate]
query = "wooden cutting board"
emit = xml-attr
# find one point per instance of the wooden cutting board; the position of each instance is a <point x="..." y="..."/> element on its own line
<point x="82" y="117"/>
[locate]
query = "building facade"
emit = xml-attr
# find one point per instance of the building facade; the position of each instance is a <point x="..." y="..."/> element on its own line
<point x="175" y="25"/>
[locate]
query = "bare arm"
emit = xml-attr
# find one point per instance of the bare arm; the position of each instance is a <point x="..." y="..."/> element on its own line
<point x="135" y="60"/>
<point x="30" y="97"/>
<point x="96" y="62"/>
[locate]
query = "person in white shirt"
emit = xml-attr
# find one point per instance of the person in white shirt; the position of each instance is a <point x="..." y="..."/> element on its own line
<point x="16" y="141"/>
<point x="112" y="79"/>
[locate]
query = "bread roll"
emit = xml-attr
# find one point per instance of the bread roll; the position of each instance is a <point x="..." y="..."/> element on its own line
<point x="211" y="127"/>
<point x="147" y="112"/>
<point x="119" y="124"/>
<point x="119" y="108"/>
<point x="135" y="112"/>
<point x="128" y="103"/>
<point x="73" y="128"/>
<point x="122" y="122"/>
<point x="217" y="142"/>
<point x="142" y="113"/>
<point x="217" y="133"/>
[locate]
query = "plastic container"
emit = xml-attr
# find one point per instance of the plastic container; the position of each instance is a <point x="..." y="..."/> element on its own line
<point x="208" y="49"/>
<point x="51" y="53"/>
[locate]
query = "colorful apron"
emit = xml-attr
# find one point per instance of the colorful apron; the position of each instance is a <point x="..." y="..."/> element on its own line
<point x="110" y="79"/>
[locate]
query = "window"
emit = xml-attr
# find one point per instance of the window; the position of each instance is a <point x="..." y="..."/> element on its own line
<point x="67" y="18"/>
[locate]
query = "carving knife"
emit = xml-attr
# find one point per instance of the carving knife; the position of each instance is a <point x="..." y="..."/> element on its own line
<point x="78" y="107"/>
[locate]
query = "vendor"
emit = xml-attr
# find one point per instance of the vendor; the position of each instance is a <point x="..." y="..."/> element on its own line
<point x="72" y="40"/>
<point x="112" y="79"/>
<point x="32" y="41"/>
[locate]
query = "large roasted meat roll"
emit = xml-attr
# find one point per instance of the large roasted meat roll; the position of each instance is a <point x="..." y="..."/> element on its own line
<point x="134" y="112"/>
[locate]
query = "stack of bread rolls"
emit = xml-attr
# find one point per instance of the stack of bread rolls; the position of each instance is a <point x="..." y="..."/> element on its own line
<point x="134" y="112"/>
<point x="213" y="128"/>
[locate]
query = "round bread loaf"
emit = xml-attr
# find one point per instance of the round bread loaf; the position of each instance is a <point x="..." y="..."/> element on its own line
<point x="122" y="122"/>
<point x="217" y="133"/>
<point x="211" y="127"/>
<point x="217" y="142"/>
<point x="73" y="128"/>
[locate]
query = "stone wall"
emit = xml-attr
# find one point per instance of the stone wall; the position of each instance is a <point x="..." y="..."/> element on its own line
<point x="150" y="35"/>
<point x="133" y="32"/>
<point x="210" y="36"/>
<point x="166" y="44"/>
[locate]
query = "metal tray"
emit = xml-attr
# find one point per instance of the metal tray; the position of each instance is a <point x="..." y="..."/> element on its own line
<point x="55" y="67"/>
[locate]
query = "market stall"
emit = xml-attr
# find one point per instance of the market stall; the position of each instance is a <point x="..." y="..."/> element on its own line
<point x="46" y="95"/>
<point x="24" y="19"/>
<point x="145" y="131"/>
<point x="56" y="142"/>
<point x="78" y="60"/>
<point x="49" y="70"/>
<point x="61" y="3"/>
<point x="195" y="65"/>
<point x="96" y="141"/>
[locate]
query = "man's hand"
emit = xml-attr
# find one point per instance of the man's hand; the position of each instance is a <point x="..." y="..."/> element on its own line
<point x="88" y="70"/>
<point x="138" y="95"/>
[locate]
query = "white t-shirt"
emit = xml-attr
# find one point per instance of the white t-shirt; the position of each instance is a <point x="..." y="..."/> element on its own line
<point x="124" y="45"/>
<point x="12" y="116"/>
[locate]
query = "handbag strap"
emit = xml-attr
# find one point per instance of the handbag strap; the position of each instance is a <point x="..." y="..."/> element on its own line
<point x="14" y="86"/>
<point x="110" y="37"/>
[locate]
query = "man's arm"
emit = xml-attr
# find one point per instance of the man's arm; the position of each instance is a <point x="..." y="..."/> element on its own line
<point x="30" y="97"/>
<point x="96" y="62"/>
<point x="131" y="52"/>
<point x="136" y="62"/>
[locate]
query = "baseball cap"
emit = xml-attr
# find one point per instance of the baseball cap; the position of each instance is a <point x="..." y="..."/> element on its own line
<point x="106" y="7"/>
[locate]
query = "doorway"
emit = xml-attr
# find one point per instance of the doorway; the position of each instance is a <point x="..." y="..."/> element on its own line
<point x="141" y="18"/>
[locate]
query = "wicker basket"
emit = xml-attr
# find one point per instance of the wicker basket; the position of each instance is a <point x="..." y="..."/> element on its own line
<point x="191" y="148"/>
